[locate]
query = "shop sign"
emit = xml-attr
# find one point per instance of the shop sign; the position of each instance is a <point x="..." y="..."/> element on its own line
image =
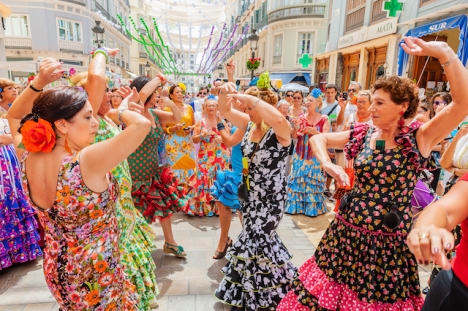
<point x="348" y="40"/>
<point x="382" y="29"/>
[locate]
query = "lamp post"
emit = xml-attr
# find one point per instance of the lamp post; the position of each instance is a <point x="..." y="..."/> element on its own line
<point x="253" y="38"/>
<point x="148" y="68"/>
<point x="99" y="32"/>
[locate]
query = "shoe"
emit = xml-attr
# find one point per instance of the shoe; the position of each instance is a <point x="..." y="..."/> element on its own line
<point x="175" y="250"/>
<point x="328" y="193"/>
<point x="426" y="290"/>
<point x="219" y="255"/>
<point x="236" y="308"/>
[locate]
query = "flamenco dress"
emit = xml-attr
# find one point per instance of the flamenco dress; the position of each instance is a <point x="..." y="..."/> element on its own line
<point x="19" y="237"/>
<point x="306" y="183"/>
<point x="82" y="265"/>
<point x="136" y="236"/>
<point x="227" y="181"/>
<point x="259" y="272"/>
<point x="360" y="263"/>
<point x="156" y="191"/>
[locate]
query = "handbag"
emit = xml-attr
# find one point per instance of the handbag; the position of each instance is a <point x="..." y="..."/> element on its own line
<point x="343" y="190"/>
<point x="422" y="197"/>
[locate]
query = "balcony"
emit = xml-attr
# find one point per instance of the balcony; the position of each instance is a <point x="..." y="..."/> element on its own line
<point x="99" y="8"/>
<point x="310" y="11"/>
<point x="79" y="2"/>
<point x="71" y="46"/>
<point x="355" y="19"/>
<point x="143" y="55"/>
<point x="262" y="23"/>
<point x="18" y="43"/>
<point x="377" y="13"/>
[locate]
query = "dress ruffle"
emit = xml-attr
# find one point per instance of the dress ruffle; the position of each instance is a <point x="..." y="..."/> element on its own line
<point x="201" y="201"/>
<point x="225" y="187"/>
<point x="161" y="197"/>
<point x="306" y="185"/>
<point x="253" y="279"/>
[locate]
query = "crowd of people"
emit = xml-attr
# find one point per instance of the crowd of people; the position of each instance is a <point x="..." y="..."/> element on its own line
<point x="86" y="170"/>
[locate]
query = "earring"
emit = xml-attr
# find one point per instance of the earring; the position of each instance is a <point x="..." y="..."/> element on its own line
<point x="67" y="148"/>
<point x="401" y="122"/>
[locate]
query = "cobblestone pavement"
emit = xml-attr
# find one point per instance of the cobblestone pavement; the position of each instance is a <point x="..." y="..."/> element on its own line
<point x="184" y="284"/>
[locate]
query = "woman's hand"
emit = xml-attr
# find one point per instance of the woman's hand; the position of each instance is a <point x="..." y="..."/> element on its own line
<point x="165" y="102"/>
<point x="218" y="139"/>
<point x="137" y="107"/>
<point x="230" y="67"/>
<point x="440" y="108"/>
<point x="437" y="49"/>
<point x="125" y="91"/>
<point x="50" y="70"/>
<point x="462" y="131"/>
<point x="338" y="173"/>
<point x="227" y="88"/>
<point x="428" y="243"/>
<point x="310" y="130"/>
<point x="5" y="139"/>
<point x="112" y="52"/>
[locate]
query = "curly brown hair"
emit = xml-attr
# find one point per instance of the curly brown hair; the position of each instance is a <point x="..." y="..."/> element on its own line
<point x="401" y="90"/>
<point x="444" y="95"/>
<point x="267" y="96"/>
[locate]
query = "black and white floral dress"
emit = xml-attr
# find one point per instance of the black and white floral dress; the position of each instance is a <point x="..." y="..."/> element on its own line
<point x="259" y="272"/>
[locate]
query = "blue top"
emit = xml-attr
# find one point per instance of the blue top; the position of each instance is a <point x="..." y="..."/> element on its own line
<point x="236" y="155"/>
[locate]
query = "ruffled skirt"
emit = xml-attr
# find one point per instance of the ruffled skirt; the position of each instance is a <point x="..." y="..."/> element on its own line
<point x="355" y="269"/>
<point x="306" y="185"/>
<point x="225" y="187"/>
<point x="161" y="197"/>
<point x="19" y="238"/>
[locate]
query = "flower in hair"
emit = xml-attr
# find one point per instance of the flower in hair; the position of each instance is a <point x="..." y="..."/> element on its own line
<point x="264" y="81"/>
<point x="1" y="90"/>
<point x="211" y="97"/>
<point x="71" y="72"/>
<point x="316" y="93"/>
<point x="38" y="136"/>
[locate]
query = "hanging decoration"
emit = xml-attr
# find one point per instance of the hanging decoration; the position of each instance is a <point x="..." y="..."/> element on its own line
<point x="253" y="63"/>
<point x="392" y="7"/>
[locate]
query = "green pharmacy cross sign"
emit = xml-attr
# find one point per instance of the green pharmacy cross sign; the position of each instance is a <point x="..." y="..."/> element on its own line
<point x="392" y="7"/>
<point x="305" y="60"/>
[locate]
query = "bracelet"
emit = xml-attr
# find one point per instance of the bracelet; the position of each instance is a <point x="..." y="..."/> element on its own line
<point x="34" y="89"/>
<point x="168" y="130"/>
<point x="255" y="104"/>
<point x="103" y="52"/>
<point x="220" y="126"/>
<point x="121" y="111"/>
<point x="161" y="77"/>
<point x="450" y="61"/>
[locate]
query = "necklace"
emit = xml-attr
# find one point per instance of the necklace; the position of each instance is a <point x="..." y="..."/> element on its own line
<point x="361" y="119"/>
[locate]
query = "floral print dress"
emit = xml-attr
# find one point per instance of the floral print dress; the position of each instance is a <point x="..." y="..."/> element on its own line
<point x="155" y="190"/>
<point x="212" y="157"/>
<point x="81" y="259"/>
<point x="136" y="236"/>
<point x="19" y="238"/>
<point x="259" y="272"/>
<point x="361" y="264"/>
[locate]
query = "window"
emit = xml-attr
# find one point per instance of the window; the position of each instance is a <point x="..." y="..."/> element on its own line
<point x="305" y="43"/>
<point x="69" y="30"/>
<point x="17" y="26"/>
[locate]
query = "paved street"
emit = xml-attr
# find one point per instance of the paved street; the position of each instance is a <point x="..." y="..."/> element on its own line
<point x="184" y="284"/>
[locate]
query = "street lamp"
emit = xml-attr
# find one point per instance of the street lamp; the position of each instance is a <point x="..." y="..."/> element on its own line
<point x="148" y="68"/>
<point x="99" y="32"/>
<point x="253" y="38"/>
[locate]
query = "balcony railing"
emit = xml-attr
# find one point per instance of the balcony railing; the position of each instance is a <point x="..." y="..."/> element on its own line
<point x="70" y="46"/>
<point x="18" y="43"/>
<point x="277" y="59"/>
<point x="310" y="11"/>
<point x="143" y="55"/>
<point x="262" y="23"/>
<point x="355" y="19"/>
<point x="377" y="13"/>
<point x="99" y="8"/>
<point x="80" y="2"/>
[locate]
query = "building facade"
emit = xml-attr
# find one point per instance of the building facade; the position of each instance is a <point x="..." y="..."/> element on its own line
<point x="287" y="30"/>
<point x="62" y="30"/>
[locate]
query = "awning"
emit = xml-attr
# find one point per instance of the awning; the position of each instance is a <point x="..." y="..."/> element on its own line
<point x="307" y="77"/>
<point x="284" y="77"/>
<point x="459" y="21"/>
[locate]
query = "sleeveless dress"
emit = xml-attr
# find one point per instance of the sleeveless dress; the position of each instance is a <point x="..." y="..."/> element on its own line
<point x="212" y="157"/>
<point x="259" y="272"/>
<point x="306" y="182"/>
<point x="227" y="182"/>
<point x="81" y="259"/>
<point x="19" y="237"/>
<point x="136" y="236"/>
<point x="155" y="190"/>
<point x="180" y="150"/>
<point x="361" y="264"/>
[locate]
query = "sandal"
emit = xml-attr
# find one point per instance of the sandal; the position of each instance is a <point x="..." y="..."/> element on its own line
<point x="219" y="255"/>
<point x="175" y="250"/>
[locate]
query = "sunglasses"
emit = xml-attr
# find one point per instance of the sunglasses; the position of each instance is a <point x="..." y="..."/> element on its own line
<point x="297" y="98"/>
<point x="440" y="102"/>
<point x="202" y="93"/>
<point x="352" y="90"/>
<point x="115" y="96"/>
<point x="360" y="102"/>
<point x="289" y="95"/>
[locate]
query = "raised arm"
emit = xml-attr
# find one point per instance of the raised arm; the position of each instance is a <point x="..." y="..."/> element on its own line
<point x="97" y="80"/>
<point x="230" y="69"/>
<point x="149" y="88"/>
<point x="228" y="139"/>
<point x="435" y="130"/>
<point x="50" y="70"/>
<point x="237" y="118"/>
<point x="174" y="116"/>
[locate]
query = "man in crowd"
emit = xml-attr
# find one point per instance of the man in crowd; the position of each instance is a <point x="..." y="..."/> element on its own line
<point x="330" y="105"/>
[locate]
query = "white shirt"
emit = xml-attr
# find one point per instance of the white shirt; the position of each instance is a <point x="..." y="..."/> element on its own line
<point x="350" y="108"/>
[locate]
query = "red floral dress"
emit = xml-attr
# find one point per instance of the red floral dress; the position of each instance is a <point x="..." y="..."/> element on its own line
<point x="211" y="157"/>
<point x="81" y="258"/>
<point x="360" y="263"/>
